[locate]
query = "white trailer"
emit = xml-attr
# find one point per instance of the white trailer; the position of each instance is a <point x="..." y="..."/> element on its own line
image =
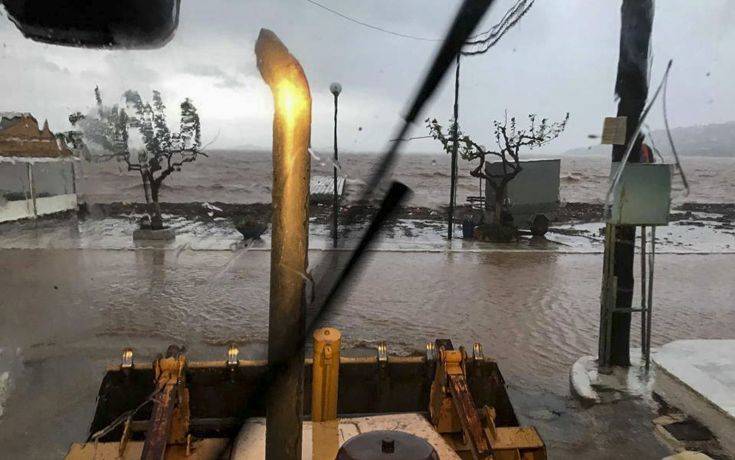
<point x="532" y="196"/>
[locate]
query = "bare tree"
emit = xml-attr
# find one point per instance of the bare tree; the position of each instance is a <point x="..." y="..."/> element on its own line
<point x="163" y="151"/>
<point x="510" y="140"/>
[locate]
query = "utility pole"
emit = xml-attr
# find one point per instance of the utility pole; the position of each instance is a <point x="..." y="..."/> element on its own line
<point x="455" y="142"/>
<point x="335" y="88"/>
<point x="631" y="87"/>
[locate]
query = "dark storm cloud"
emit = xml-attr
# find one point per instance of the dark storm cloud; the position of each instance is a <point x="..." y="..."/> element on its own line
<point x="560" y="58"/>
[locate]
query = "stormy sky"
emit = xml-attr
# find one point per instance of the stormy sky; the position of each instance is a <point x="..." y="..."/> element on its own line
<point x="561" y="58"/>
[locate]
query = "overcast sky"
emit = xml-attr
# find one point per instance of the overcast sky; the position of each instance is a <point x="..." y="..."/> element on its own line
<point x="561" y="57"/>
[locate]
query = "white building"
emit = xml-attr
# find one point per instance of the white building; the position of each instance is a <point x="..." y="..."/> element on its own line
<point x="37" y="175"/>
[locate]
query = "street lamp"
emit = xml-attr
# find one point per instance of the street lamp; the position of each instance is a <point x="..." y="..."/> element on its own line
<point x="335" y="88"/>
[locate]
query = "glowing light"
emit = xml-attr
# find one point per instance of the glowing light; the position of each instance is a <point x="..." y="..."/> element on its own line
<point x="292" y="105"/>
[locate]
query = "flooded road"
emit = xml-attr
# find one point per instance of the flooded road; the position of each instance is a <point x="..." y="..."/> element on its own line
<point x="64" y="314"/>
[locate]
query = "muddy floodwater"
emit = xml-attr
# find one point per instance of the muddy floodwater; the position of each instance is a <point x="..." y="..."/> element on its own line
<point x="65" y="314"/>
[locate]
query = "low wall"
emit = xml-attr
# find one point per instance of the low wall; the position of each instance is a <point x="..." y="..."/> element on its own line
<point x="698" y="378"/>
<point x="23" y="209"/>
<point x="51" y="181"/>
<point x="54" y="204"/>
<point x="16" y="210"/>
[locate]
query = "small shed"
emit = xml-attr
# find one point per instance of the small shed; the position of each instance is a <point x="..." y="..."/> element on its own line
<point x="37" y="170"/>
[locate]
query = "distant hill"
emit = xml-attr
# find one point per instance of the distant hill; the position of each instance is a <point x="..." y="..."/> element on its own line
<point x="714" y="140"/>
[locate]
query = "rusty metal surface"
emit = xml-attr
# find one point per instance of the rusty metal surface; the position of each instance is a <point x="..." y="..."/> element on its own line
<point x="468" y="416"/>
<point x="218" y="394"/>
<point x="452" y="405"/>
<point x="205" y="449"/>
<point x="156" y="437"/>
<point x="169" y="421"/>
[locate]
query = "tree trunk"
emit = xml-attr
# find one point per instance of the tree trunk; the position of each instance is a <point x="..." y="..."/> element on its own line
<point x="154" y="209"/>
<point x="499" y="200"/>
<point x="632" y="88"/>
<point x="146" y="187"/>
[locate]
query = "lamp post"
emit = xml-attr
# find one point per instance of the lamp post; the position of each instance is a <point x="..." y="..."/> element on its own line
<point x="335" y="88"/>
<point x="455" y="144"/>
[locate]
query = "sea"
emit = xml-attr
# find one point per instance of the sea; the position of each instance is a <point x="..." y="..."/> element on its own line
<point x="239" y="176"/>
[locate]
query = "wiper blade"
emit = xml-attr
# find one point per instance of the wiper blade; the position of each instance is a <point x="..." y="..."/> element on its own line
<point x="332" y="284"/>
<point x="468" y="17"/>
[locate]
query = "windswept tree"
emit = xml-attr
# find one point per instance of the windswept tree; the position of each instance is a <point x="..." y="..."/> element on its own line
<point x="510" y="140"/>
<point x="162" y="150"/>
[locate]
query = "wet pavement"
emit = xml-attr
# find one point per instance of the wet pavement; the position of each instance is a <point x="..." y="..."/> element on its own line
<point x="65" y="313"/>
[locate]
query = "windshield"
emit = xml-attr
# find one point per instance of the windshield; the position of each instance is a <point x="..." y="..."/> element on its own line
<point x="151" y="197"/>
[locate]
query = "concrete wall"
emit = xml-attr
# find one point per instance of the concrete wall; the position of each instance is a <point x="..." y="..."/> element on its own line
<point x="54" y="204"/>
<point x="16" y="210"/>
<point x="697" y="376"/>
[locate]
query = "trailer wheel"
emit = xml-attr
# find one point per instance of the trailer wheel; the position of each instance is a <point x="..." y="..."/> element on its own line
<point x="539" y="225"/>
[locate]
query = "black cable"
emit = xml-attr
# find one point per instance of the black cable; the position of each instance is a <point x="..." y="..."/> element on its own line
<point x="494" y="33"/>
<point x="513" y="10"/>
<point x="511" y="18"/>
<point x="411" y="138"/>
<point x="370" y="26"/>
<point x="671" y="140"/>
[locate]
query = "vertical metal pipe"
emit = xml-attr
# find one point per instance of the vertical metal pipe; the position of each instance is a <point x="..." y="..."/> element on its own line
<point x="649" y="315"/>
<point x="455" y="138"/>
<point x="335" y="88"/>
<point x="32" y="189"/>
<point x="289" y="242"/>
<point x="604" y="296"/>
<point x="607" y="298"/>
<point x="644" y="323"/>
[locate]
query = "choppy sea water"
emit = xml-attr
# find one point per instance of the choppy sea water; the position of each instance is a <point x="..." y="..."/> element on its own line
<point x="246" y="176"/>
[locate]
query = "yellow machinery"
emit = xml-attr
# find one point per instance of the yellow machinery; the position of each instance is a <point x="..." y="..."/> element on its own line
<point x="176" y="409"/>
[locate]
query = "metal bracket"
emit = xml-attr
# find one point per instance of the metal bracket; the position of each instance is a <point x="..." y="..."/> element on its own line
<point x="233" y="356"/>
<point x="477" y="353"/>
<point x="382" y="353"/>
<point x="127" y="361"/>
<point x="430" y="352"/>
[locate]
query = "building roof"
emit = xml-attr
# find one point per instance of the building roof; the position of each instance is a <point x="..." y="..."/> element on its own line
<point x="20" y="136"/>
<point x="14" y="114"/>
<point x="10" y="118"/>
